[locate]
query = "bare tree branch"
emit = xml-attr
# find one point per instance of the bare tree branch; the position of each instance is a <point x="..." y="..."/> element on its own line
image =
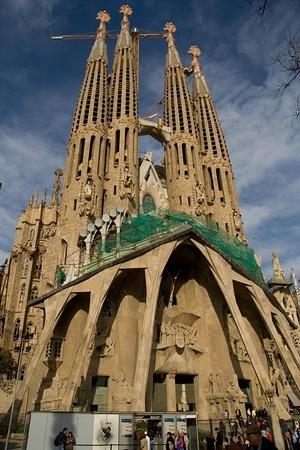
<point x="288" y="60"/>
<point x="257" y="8"/>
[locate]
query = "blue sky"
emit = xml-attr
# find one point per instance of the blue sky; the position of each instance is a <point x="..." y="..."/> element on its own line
<point x="40" y="81"/>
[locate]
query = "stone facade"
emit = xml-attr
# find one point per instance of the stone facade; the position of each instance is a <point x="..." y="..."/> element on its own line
<point x="171" y="325"/>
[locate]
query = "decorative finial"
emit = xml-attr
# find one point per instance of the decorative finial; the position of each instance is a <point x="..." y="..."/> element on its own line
<point x="56" y="186"/>
<point x="103" y="16"/>
<point x="277" y="270"/>
<point x="170" y="28"/>
<point x="195" y="52"/>
<point x="126" y="10"/>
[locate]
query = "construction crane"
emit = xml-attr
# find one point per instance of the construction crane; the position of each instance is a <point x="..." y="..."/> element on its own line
<point x="156" y="130"/>
<point x="136" y="35"/>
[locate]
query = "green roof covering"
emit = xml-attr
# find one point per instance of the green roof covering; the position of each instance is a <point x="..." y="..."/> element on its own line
<point x="144" y="228"/>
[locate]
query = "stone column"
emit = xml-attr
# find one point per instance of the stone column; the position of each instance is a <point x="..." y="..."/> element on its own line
<point x="171" y="391"/>
<point x="277" y="434"/>
<point x="157" y="261"/>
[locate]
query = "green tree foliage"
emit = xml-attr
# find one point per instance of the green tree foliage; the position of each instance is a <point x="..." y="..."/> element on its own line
<point x="7" y="367"/>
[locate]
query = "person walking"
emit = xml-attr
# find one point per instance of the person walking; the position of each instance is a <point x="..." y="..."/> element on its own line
<point x="257" y="440"/>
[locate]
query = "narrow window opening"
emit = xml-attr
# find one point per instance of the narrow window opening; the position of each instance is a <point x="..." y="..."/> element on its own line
<point x="80" y="156"/>
<point x="91" y="147"/>
<point x="219" y="179"/>
<point x="184" y="156"/>
<point x="99" y="156"/>
<point x="107" y="152"/>
<point x="210" y="178"/>
<point x="75" y="204"/>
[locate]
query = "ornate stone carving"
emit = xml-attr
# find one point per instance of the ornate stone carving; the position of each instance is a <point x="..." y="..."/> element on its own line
<point x="179" y="335"/>
<point x="121" y="391"/>
<point x="103" y="16"/>
<point x="233" y="390"/>
<point x="214" y="384"/>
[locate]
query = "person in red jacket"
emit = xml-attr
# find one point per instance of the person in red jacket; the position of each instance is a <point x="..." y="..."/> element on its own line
<point x="257" y="441"/>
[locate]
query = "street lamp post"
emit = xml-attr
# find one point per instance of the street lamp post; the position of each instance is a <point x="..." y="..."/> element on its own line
<point x="23" y="340"/>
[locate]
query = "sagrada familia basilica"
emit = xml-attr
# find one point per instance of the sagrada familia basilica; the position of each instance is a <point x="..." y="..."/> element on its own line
<point x="133" y="288"/>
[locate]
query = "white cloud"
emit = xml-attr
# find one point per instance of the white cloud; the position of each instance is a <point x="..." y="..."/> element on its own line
<point x="29" y="14"/>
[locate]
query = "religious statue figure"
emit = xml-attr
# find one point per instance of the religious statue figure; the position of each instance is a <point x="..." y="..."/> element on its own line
<point x="88" y="190"/>
<point x="214" y="383"/>
<point x="237" y="220"/>
<point x="128" y="184"/>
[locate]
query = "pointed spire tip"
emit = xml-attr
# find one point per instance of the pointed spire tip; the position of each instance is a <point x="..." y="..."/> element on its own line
<point x="126" y="10"/>
<point x="103" y="16"/>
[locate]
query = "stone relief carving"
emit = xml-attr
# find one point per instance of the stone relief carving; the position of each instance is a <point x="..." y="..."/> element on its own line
<point x="121" y="390"/>
<point x="295" y="335"/>
<point x="180" y="335"/>
<point x="276" y="371"/>
<point x="48" y="231"/>
<point x="237" y="346"/>
<point x="54" y="390"/>
<point x="233" y="390"/>
<point x="214" y="384"/>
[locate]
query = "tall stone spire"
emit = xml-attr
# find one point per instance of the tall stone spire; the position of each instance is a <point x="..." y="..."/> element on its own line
<point x="223" y="206"/>
<point x="82" y="197"/>
<point x="121" y="164"/>
<point x="183" y="170"/>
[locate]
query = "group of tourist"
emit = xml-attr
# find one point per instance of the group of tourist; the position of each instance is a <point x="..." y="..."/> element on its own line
<point x="292" y="438"/>
<point x="177" y="441"/>
<point x="238" y="433"/>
